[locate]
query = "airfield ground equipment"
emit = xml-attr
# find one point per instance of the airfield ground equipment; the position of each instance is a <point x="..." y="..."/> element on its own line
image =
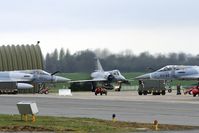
<point x="194" y="90"/>
<point x="8" y="88"/>
<point x="155" y="87"/>
<point x="44" y="90"/>
<point x="27" y="107"/>
<point x="100" y="90"/>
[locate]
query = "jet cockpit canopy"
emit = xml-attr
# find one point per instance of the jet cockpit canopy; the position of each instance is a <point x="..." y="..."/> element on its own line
<point x="36" y="71"/>
<point x="172" y="67"/>
<point x="115" y="73"/>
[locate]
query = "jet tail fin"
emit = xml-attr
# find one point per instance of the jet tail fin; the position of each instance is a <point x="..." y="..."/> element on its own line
<point x="98" y="66"/>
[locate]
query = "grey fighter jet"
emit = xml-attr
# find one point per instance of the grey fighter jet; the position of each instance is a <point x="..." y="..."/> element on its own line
<point x="11" y="81"/>
<point x="35" y="75"/>
<point x="106" y="77"/>
<point x="41" y="76"/>
<point x="171" y="72"/>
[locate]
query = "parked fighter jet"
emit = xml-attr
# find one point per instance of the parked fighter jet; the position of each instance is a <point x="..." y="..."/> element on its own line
<point x="11" y="81"/>
<point x="41" y="76"/>
<point x="171" y="72"/>
<point x="106" y="77"/>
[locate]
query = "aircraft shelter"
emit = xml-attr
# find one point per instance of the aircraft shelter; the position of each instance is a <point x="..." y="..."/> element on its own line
<point x="20" y="57"/>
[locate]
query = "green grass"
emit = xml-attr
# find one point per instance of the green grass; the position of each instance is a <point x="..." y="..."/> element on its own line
<point x="77" y="125"/>
<point x="75" y="76"/>
<point x="72" y="76"/>
<point x="132" y="75"/>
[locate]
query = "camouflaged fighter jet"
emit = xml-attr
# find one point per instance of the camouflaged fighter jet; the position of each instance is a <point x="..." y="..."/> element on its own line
<point x="172" y="72"/>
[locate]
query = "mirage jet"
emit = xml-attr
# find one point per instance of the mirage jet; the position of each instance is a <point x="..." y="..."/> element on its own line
<point x="22" y="79"/>
<point x="173" y="72"/>
<point x="41" y="76"/>
<point x="105" y="77"/>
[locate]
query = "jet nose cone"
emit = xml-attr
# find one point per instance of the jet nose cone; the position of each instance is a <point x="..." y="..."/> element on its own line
<point x="122" y="78"/>
<point x="119" y="77"/>
<point x="61" y="79"/>
<point x="145" y="76"/>
<point x="126" y="81"/>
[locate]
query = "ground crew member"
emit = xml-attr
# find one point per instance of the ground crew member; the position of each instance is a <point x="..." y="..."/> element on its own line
<point x="178" y="89"/>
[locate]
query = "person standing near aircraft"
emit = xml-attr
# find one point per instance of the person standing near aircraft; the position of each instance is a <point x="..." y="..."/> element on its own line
<point x="178" y="89"/>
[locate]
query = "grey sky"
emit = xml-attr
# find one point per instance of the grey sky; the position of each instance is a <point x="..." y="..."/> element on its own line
<point x="139" y="25"/>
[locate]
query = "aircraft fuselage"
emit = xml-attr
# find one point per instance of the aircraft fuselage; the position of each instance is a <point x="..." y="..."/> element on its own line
<point x="173" y="72"/>
<point x="113" y="75"/>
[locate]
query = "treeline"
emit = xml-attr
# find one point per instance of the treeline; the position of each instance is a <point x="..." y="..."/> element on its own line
<point x="84" y="61"/>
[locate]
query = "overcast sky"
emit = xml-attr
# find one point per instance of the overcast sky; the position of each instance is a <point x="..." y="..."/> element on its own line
<point x="156" y="26"/>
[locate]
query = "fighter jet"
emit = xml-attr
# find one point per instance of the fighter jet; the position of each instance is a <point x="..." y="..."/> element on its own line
<point x="106" y="77"/>
<point x="11" y="81"/>
<point x="35" y="75"/>
<point x="41" y="76"/>
<point x="171" y="72"/>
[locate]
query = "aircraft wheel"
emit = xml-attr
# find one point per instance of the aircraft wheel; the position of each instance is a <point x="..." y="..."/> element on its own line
<point x="15" y="92"/>
<point x="145" y="92"/>
<point x="169" y="90"/>
<point x="158" y="93"/>
<point x="163" y="92"/>
<point x="140" y="93"/>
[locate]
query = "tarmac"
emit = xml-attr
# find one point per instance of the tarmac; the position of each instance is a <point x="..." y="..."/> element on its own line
<point x="127" y="105"/>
